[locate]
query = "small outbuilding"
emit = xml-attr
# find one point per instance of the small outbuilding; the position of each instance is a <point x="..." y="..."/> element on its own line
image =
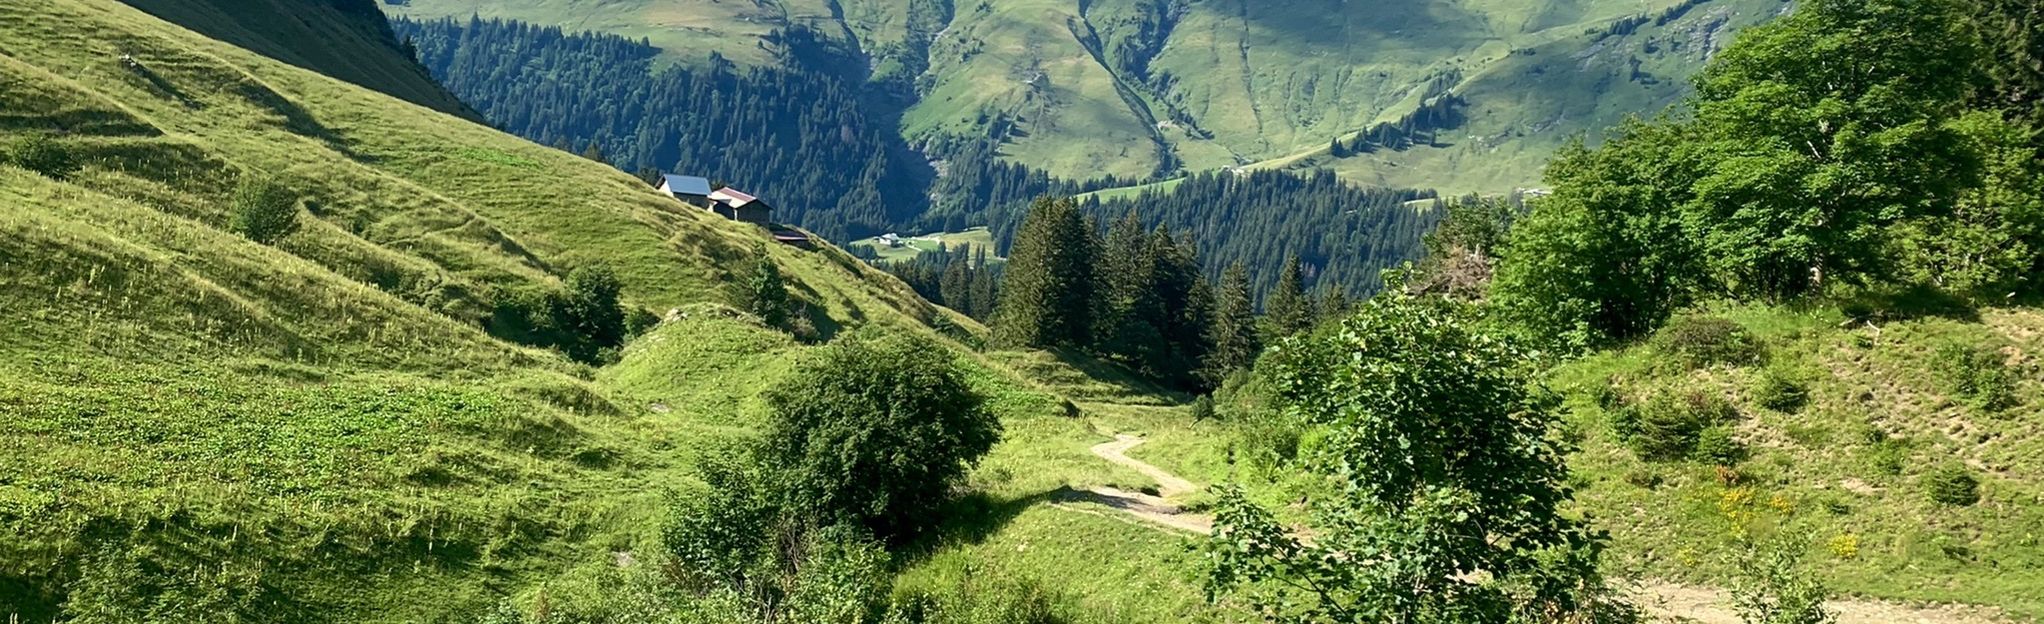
<point x="690" y="190"/>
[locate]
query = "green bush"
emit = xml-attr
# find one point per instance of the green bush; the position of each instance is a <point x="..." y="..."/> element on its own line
<point x="1887" y="458"/>
<point x="1669" y="427"/>
<point x="1699" y="341"/>
<point x="1267" y="441"/>
<point x="1203" y="408"/>
<point x="638" y="321"/>
<point x="263" y="211"/>
<point x="766" y="292"/>
<point x="1716" y="445"/>
<point x="42" y="154"/>
<point x="1643" y="478"/>
<point x="585" y="321"/>
<point x="875" y="433"/>
<point x="1977" y="374"/>
<point x="1781" y="391"/>
<point x="1771" y="584"/>
<point x="1952" y="484"/>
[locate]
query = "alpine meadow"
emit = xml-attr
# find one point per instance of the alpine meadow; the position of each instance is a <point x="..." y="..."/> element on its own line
<point x="1022" y="311"/>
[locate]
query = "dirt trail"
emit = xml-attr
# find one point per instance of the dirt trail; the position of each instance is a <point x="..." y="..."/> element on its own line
<point x="1701" y="605"/>
<point x="1664" y="601"/>
<point x="1155" y="509"/>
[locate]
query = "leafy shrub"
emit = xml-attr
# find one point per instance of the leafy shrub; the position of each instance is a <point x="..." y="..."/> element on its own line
<point x="638" y="321"/>
<point x="1203" y="408"/>
<point x="42" y="154"/>
<point x="875" y="433"/>
<point x="585" y="321"/>
<point x="1952" y="484"/>
<point x="1668" y="427"/>
<point x="1643" y="478"/>
<point x="1887" y="458"/>
<point x="1978" y="374"/>
<point x="263" y="210"/>
<point x="766" y="292"/>
<point x="1267" y="441"/>
<point x="1772" y="586"/>
<point x="1608" y="394"/>
<point x="1699" y="341"/>
<point x="1716" y="445"/>
<point x="1781" y="391"/>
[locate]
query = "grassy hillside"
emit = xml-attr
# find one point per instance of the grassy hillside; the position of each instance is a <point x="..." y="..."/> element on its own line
<point x="194" y="426"/>
<point x="1522" y="106"/>
<point x="1852" y="467"/>
<point x="318" y="430"/>
<point x="345" y="39"/>
<point x="1142" y="87"/>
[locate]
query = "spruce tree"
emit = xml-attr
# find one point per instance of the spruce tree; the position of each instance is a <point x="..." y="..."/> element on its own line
<point x="1234" y="337"/>
<point x="1334" y="303"/>
<point x="1187" y="303"/>
<point x="1047" y="298"/>
<point x="1129" y="330"/>
<point x="1288" y="309"/>
<point x="953" y="288"/>
<point x="984" y="292"/>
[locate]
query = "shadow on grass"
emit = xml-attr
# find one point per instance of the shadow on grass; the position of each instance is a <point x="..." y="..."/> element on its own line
<point x="1114" y="374"/>
<point x="973" y="518"/>
<point x="1908" y="303"/>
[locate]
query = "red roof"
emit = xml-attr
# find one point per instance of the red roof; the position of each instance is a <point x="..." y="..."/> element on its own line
<point x="736" y="198"/>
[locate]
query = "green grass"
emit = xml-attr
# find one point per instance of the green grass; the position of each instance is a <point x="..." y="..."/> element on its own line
<point x="1131" y="192"/>
<point x="1873" y="391"/>
<point x="319" y="430"/>
<point x="911" y="246"/>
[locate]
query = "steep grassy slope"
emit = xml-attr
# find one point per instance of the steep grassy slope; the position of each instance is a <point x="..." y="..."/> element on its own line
<point x="194" y="426"/>
<point x="345" y="39"/>
<point x="1852" y="468"/>
<point x="1142" y="87"/>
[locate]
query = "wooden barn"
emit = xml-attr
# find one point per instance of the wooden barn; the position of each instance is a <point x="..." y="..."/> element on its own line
<point x="737" y="205"/>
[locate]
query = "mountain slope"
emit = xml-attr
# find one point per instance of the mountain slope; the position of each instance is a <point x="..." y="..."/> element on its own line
<point x="1140" y="88"/>
<point x="345" y="39"/>
<point x="194" y="426"/>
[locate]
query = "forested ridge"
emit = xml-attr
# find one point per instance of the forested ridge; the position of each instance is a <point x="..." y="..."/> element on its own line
<point x="800" y="137"/>
<point x="819" y="146"/>
<point x="1345" y="235"/>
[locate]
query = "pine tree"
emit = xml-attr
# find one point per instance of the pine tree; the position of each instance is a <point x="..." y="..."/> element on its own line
<point x="984" y="291"/>
<point x="1289" y="312"/>
<point x="1187" y="303"/>
<point x="954" y="287"/>
<point x="1129" y="330"/>
<point x="1234" y="337"/>
<point x="1047" y="298"/>
<point x="1334" y="303"/>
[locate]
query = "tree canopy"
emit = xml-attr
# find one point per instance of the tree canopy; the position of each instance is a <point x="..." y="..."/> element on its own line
<point x="1445" y="492"/>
